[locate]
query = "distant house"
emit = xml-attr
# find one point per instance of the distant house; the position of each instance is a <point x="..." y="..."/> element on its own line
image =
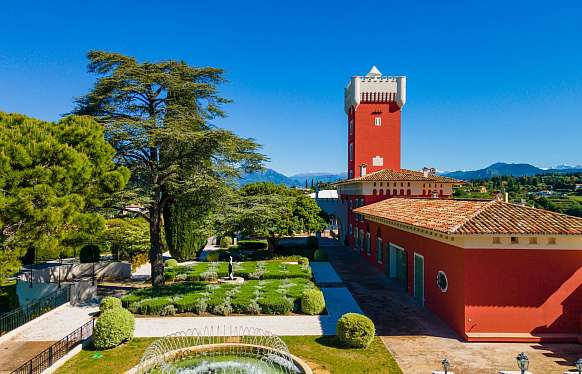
<point x="546" y="193"/>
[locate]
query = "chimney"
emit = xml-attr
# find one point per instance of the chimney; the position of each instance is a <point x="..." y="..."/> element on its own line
<point x="363" y="170"/>
<point x="506" y="197"/>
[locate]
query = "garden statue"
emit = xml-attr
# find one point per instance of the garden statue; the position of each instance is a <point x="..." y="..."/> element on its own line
<point x="230" y="270"/>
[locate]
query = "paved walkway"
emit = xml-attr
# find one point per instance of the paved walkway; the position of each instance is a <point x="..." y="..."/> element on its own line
<point x="338" y="302"/>
<point x="324" y="273"/>
<point x="39" y="334"/>
<point x="418" y="340"/>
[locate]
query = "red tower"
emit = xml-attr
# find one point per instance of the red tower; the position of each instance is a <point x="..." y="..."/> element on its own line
<point x="373" y="105"/>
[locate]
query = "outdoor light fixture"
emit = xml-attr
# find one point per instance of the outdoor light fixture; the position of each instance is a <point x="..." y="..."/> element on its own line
<point x="447" y="365"/>
<point x="522" y="362"/>
<point x="579" y="365"/>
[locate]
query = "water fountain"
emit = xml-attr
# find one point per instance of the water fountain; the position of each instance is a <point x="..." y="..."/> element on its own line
<point x="220" y="350"/>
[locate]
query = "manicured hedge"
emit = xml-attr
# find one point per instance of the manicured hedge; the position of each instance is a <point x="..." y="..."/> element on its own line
<point x="112" y="328"/>
<point x="252" y="297"/>
<point x="312" y="302"/>
<point x="355" y="330"/>
<point x="109" y="302"/>
<point x="253" y="244"/>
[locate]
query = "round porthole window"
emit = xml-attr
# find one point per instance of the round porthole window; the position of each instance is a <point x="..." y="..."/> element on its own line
<point x="442" y="281"/>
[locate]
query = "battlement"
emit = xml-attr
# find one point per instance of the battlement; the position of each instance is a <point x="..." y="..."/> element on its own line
<point x="374" y="87"/>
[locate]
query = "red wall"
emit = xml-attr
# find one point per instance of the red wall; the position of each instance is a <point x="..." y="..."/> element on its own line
<point x="370" y="140"/>
<point x="523" y="291"/>
<point x="449" y="305"/>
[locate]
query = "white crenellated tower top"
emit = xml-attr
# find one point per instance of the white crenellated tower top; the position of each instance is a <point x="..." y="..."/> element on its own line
<point x="375" y="88"/>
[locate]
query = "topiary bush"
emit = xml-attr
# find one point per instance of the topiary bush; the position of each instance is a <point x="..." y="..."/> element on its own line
<point x="171" y="263"/>
<point x="154" y="307"/>
<point x="225" y="242"/>
<point x="113" y="327"/>
<point x="312" y="302"/>
<point x="90" y="253"/>
<point x="355" y="330"/>
<point x="319" y="255"/>
<point x="275" y="305"/>
<point x="109" y="302"/>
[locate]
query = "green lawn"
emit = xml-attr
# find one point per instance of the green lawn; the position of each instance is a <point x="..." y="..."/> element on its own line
<point x="322" y="354"/>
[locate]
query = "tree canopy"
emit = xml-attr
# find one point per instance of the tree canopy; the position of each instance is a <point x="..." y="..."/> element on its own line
<point x="52" y="177"/>
<point x="268" y="210"/>
<point x="158" y="118"/>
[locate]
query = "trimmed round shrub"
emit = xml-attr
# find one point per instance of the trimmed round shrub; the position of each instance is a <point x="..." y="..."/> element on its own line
<point x="225" y="242"/>
<point x="113" y="327"/>
<point x="171" y="263"/>
<point x="312" y="302"/>
<point x="319" y="255"/>
<point x="355" y="330"/>
<point x="90" y="253"/>
<point x="109" y="302"/>
<point x="303" y="261"/>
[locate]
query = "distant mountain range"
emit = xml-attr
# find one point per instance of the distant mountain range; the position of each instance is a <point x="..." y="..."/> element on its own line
<point x="502" y="169"/>
<point x="496" y="170"/>
<point x="297" y="180"/>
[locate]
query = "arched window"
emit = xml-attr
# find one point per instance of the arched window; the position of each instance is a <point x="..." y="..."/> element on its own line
<point x="402" y="192"/>
<point x="423" y="192"/>
<point x="408" y="192"/>
<point x="387" y="192"/>
<point x="374" y="192"/>
<point x="441" y="192"/>
<point x="394" y="192"/>
<point x="381" y="191"/>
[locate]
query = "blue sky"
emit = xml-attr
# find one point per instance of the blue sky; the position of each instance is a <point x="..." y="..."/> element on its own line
<point x="487" y="81"/>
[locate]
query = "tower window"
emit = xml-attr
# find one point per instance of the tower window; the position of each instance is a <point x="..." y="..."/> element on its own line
<point x="378" y="121"/>
<point x="351" y="126"/>
<point x="351" y="152"/>
<point x="377" y="161"/>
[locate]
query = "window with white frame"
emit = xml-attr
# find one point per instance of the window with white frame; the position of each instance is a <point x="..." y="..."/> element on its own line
<point x="378" y="121"/>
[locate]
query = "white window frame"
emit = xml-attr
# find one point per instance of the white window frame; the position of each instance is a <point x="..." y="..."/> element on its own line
<point x="377" y="121"/>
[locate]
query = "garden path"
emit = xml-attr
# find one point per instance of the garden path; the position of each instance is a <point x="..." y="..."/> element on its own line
<point x="37" y="335"/>
<point x="418" y="340"/>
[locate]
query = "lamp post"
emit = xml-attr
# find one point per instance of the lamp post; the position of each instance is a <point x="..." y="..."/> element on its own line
<point x="522" y="362"/>
<point x="579" y="365"/>
<point x="446" y="365"/>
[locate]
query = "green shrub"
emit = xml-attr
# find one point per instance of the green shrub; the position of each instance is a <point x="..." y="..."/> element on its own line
<point x="109" y="302"/>
<point x="303" y="261"/>
<point x="312" y="302"/>
<point x="275" y="305"/>
<point x="312" y="242"/>
<point x="90" y="253"/>
<point x="171" y="263"/>
<point x="212" y="256"/>
<point x="319" y="255"/>
<point x="112" y="328"/>
<point x="128" y="300"/>
<point x="355" y="330"/>
<point x="138" y="259"/>
<point x="154" y="307"/>
<point x="253" y="244"/>
<point x="170" y="273"/>
<point x="225" y="242"/>
<point x="191" y="303"/>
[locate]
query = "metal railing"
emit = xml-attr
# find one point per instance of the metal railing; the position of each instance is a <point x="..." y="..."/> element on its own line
<point x="18" y="317"/>
<point x="52" y="354"/>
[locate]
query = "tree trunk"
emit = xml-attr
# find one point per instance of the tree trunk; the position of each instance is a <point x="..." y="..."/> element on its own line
<point x="156" y="259"/>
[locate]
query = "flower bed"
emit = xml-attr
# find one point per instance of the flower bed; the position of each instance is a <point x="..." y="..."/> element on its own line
<point x="205" y="271"/>
<point x="253" y="297"/>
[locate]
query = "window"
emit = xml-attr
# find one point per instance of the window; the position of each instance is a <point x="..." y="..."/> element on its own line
<point x="496" y="240"/>
<point x="379" y="249"/>
<point x="395" y="192"/>
<point x="361" y="239"/>
<point x="351" y="152"/>
<point x="374" y="192"/>
<point x="381" y="184"/>
<point x="350" y="174"/>
<point x="533" y="240"/>
<point x="377" y="161"/>
<point x="423" y="192"/>
<point x="551" y="241"/>
<point x="514" y="240"/>
<point x="351" y="126"/>
<point x="374" y="184"/>
<point x="408" y="184"/>
<point x="381" y="191"/>
<point x="368" y="244"/>
<point x="378" y="121"/>
<point x="442" y="281"/>
<point x="402" y="192"/>
<point x="351" y="228"/>
<point x="408" y="192"/>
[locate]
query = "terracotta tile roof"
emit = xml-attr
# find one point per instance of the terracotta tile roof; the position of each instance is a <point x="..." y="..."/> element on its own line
<point x="401" y="175"/>
<point x="473" y="216"/>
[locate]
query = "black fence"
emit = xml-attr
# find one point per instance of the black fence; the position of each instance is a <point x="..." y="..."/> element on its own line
<point x="18" y="317"/>
<point x="52" y="354"/>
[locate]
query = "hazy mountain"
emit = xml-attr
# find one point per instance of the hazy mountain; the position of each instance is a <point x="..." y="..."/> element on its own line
<point x="297" y="180"/>
<point x="504" y="169"/>
<point x="268" y="175"/>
